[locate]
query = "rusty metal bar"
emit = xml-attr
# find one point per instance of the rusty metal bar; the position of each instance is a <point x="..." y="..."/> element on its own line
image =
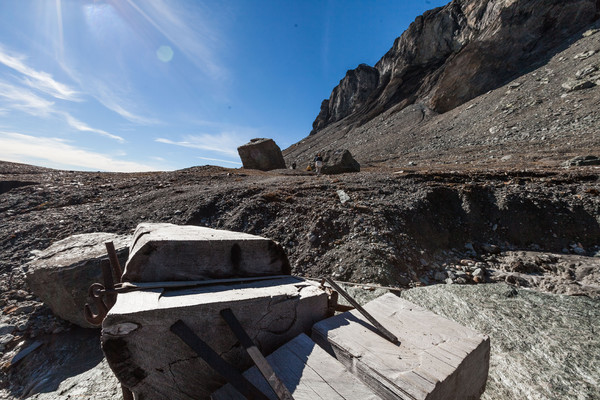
<point x="259" y="360"/>
<point x="94" y="292"/>
<point x="125" y="287"/>
<point x="380" y="328"/>
<point x="114" y="260"/>
<point x="109" y="284"/>
<point x="226" y="370"/>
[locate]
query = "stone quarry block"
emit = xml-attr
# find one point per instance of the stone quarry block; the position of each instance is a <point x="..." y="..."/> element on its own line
<point x="262" y="154"/>
<point x="155" y="364"/>
<point x="308" y="372"/>
<point x="436" y="359"/>
<point x="62" y="274"/>
<point x="167" y="252"/>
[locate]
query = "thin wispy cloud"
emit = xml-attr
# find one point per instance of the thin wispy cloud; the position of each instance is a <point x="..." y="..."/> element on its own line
<point x="82" y="126"/>
<point x="224" y="142"/>
<point x="39" y="80"/>
<point x="21" y="99"/>
<point x="118" y="103"/>
<point x="58" y="153"/>
<point x="198" y="41"/>
<point x="220" y="160"/>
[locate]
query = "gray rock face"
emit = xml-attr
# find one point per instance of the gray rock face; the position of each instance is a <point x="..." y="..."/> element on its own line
<point x="352" y="92"/>
<point x="542" y="346"/>
<point x="452" y="54"/>
<point x="62" y="274"/>
<point x="339" y="162"/>
<point x="262" y="154"/>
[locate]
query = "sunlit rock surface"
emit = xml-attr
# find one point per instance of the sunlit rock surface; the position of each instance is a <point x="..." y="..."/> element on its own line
<point x="542" y="346"/>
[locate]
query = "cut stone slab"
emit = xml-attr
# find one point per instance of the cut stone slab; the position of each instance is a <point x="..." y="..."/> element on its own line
<point x="167" y="252"/>
<point x="155" y="364"/>
<point x="436" y="359"/>
<point x="308" y="372"/>
<point x="62" y="274"/>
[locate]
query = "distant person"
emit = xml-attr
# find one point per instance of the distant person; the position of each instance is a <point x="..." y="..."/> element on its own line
<point x="318" y="163"/>
<point x="293" y="165"/>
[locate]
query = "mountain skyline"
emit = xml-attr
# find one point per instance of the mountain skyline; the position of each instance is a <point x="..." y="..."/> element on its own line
<point x="156" y="85"/>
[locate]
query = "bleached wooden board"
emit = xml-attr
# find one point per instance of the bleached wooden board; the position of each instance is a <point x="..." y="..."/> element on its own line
<point x="308" y="372"/>
<point x="436" y="359"/>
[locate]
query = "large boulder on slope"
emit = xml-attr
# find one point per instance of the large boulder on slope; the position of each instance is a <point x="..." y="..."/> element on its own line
<point x="262" y="154"/>
<point x="62" y="274"/>
<point x="339" y="162"/>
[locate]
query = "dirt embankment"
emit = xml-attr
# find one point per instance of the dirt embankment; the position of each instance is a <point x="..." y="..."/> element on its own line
<point x="536" y="228"/>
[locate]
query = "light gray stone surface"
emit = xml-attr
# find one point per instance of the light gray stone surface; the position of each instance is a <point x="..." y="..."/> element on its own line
<point x="436" y="359"/>
<point x="154" y="362"/>
<point x="167" y="252"/>
<point x="308" y="372"/>
<point x="543" y="346"/>
<point x="62" y="274"/>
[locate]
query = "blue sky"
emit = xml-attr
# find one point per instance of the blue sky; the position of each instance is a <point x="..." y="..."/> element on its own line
<point x="132" y="85"/>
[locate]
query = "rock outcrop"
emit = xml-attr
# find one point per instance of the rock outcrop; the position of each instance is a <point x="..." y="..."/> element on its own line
<point x="62" y="274"/>
<point x="352" y="92"/>
<point x="452" y="54"/>
<point x="262" y="154"/>
<point x="542" y="346"/>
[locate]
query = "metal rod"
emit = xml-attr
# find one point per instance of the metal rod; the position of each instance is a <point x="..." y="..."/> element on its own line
<point x="382" y="331"/>
<point x="226" y="370"/>
<point x="259" y="360"/>
<point x="367" y="285"/>
<point x="109" y="284"/>
<point x="132" y="286"/>
<point x="114" y="260"/>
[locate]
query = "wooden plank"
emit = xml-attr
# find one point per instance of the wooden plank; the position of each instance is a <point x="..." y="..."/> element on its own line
<point x="434" y="361"/>
<point x="308" y="372"/>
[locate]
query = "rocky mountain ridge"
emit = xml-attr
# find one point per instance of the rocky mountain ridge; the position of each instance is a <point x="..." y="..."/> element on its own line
<point x="448" y="57"/>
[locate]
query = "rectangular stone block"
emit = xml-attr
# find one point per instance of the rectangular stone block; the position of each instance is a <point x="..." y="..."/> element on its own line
<point x="308" y="372"/>
<point x="155" y="364"/>
<point x="437" y="359"/>
<point x="167" y="252"/>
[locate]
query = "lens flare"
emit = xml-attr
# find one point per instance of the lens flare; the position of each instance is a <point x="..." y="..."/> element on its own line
<point x="164" y="53"/>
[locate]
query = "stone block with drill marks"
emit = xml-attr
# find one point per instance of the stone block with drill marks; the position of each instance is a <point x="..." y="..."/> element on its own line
<point x="436" y="359"/>
<point x="155" y="363"/>
<point x="167" y="252"/>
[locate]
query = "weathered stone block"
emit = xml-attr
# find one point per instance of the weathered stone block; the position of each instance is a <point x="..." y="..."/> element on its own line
<point x="436" y="359"/>
<point x="308" y="372"/>
<point x="62" y="274"/>
<point x="167" y="252"/>
<point x="263" y="154"/>
<point x="339" y="162"/>
<point x="152" y="361"/>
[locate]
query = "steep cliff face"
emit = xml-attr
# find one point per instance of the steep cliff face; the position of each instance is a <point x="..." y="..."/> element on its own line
<point x="452" y="54"/>
<point x="352" y="92"/>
